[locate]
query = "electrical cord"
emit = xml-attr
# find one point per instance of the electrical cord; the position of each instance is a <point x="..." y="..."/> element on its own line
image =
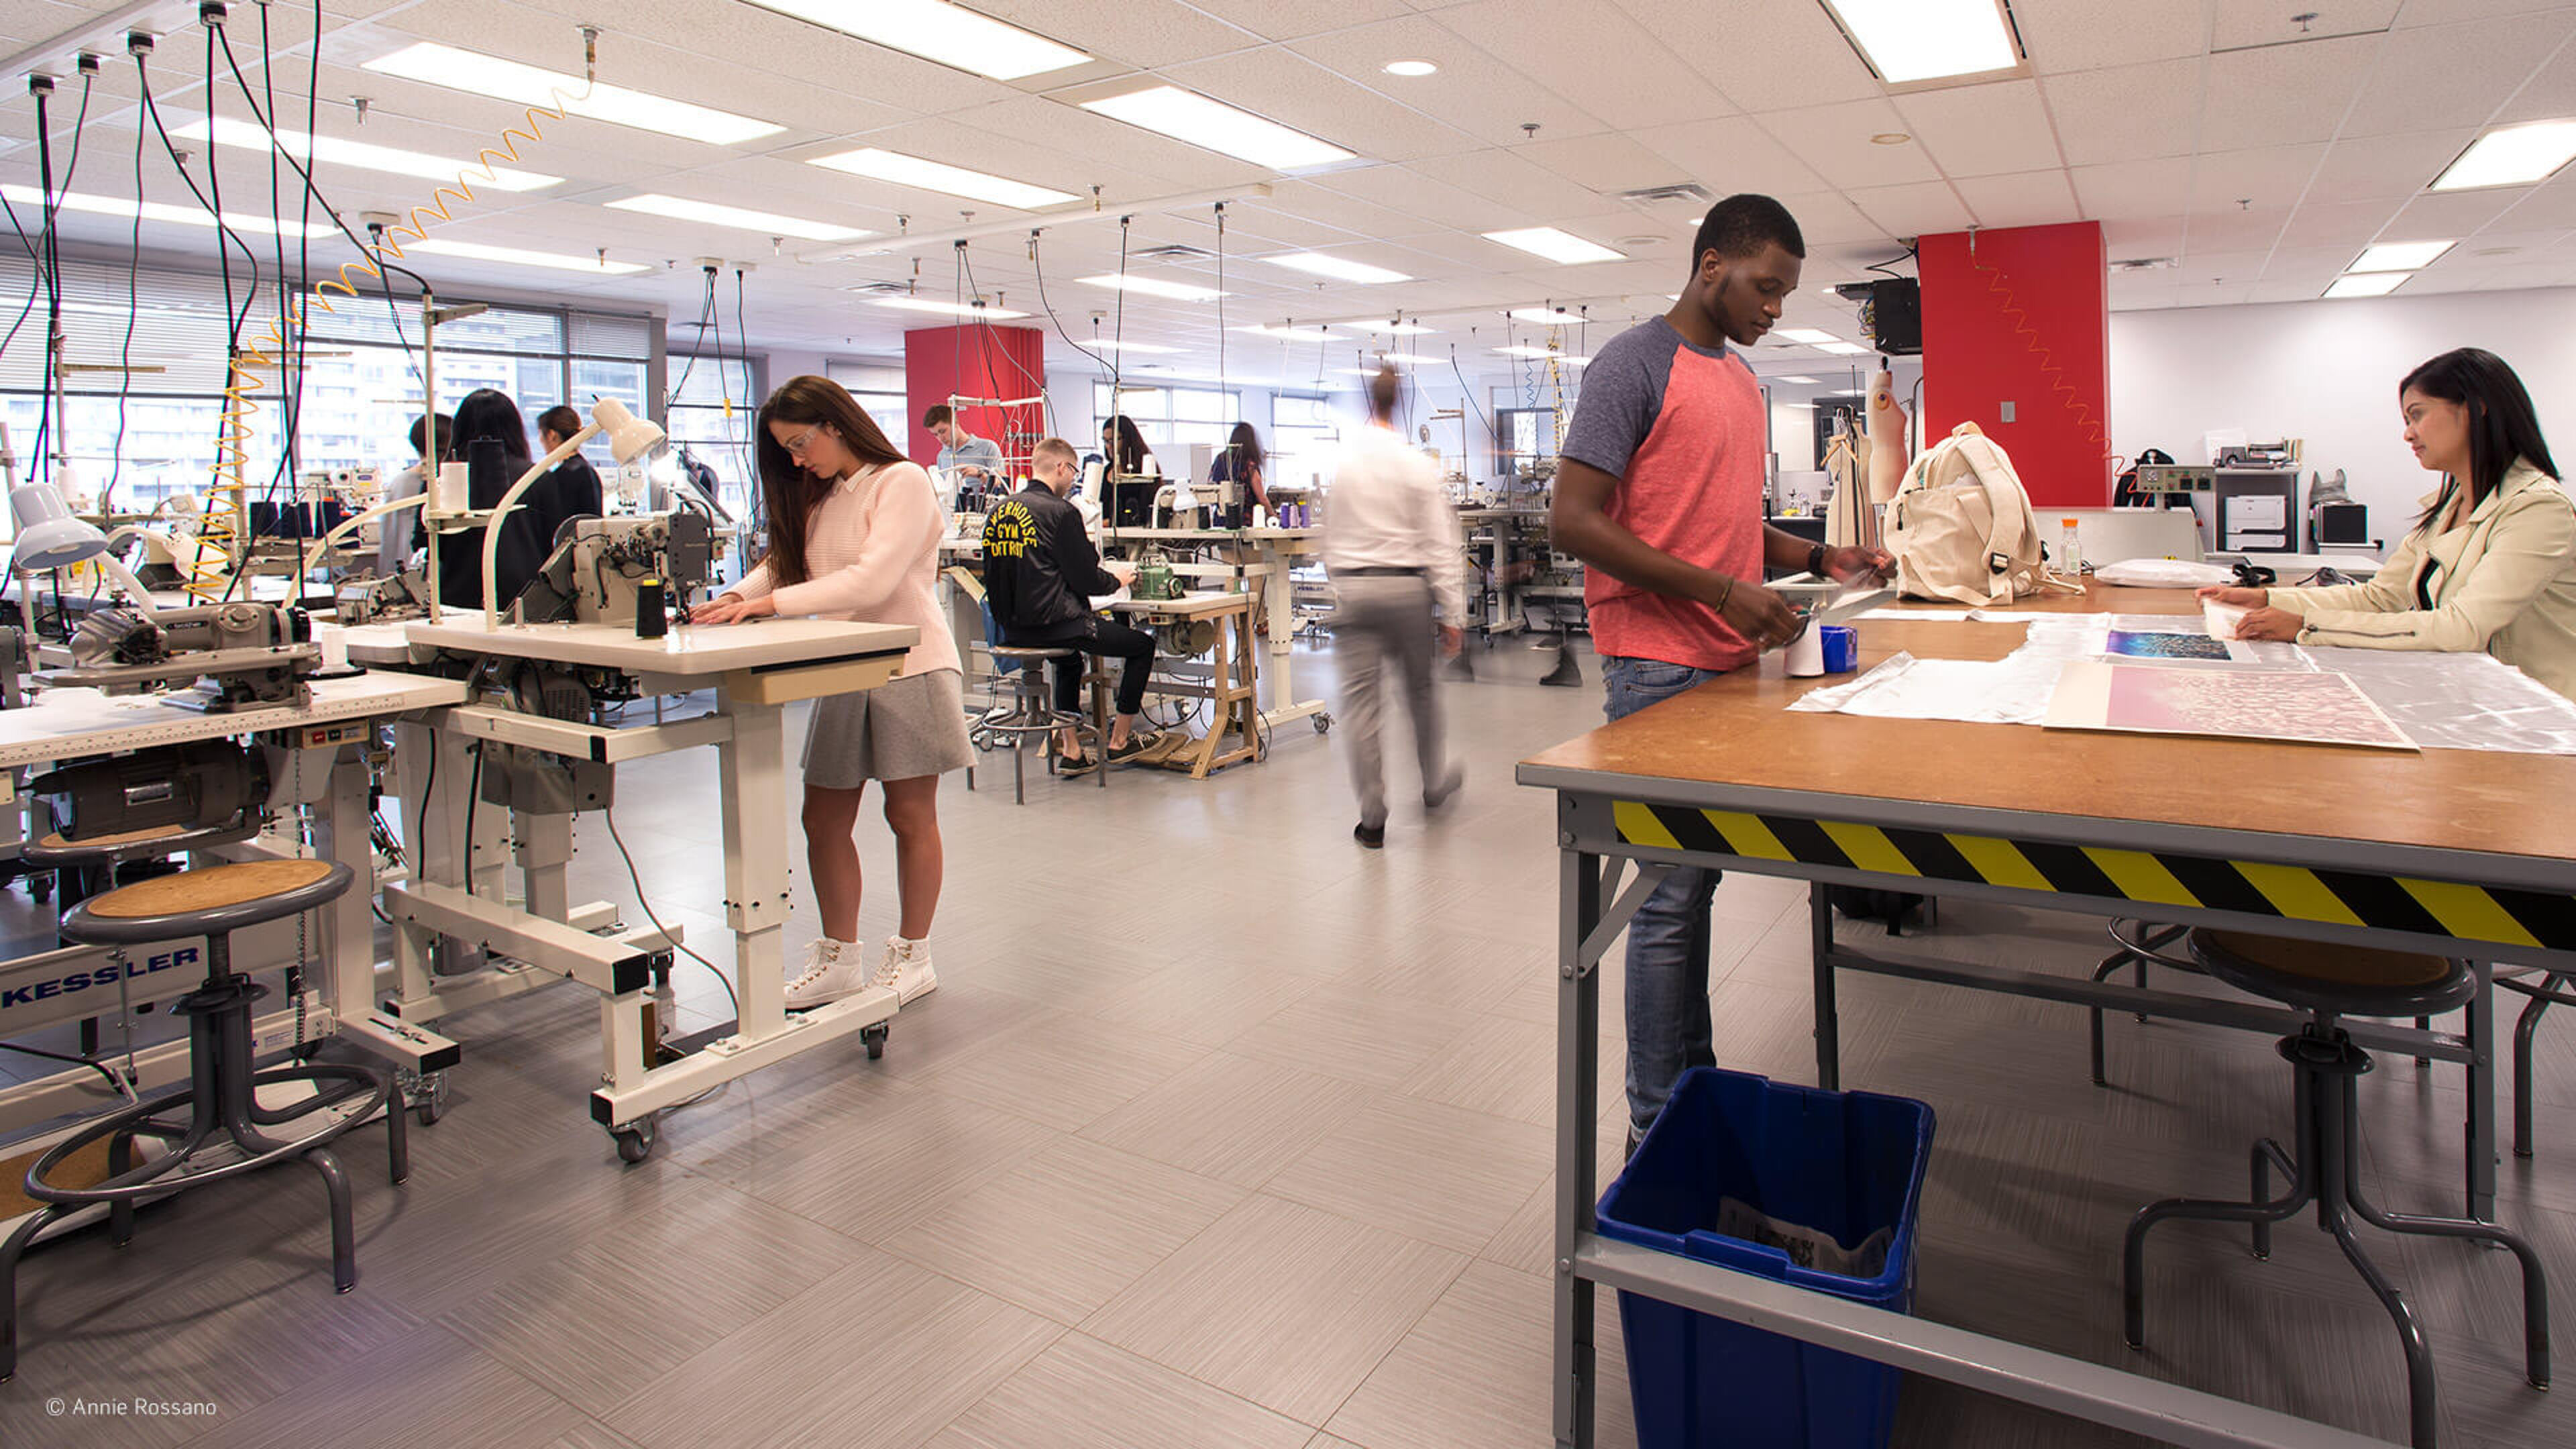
<point x="746" y="449"/>
<point x="610" y="815"/>
<point x="1049" y="307"/>
<point x="125" y="354"/>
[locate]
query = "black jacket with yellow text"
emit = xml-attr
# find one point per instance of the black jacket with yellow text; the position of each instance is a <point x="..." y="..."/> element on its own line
<point x="1040" y="569"/>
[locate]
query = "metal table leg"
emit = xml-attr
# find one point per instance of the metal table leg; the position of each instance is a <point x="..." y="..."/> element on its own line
<point x="1829" y="1051"/>
<point x="1578" y="1123"/>
<point x="2479" y="1133"/>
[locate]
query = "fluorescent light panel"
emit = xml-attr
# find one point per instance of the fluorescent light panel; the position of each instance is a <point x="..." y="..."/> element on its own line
<point x="1807" y="336"/>
<point x="936" y="30"/>
<point x="1411" y="68"/>
<point x="1293" y="334"/>
<point x="486" y="75"/>
<point x="1216" y="126"/>
<point x="1105" y="344"/>
<point x="1542" y="353"/>
<point x="519" y="256"/>
<point x="2399" y="256"/>
<point x="1919" y="40"/>
<point x="1555" y="245"/>
<point x="1546" y="316"/>
<point x="225" y="131"/>
<point x="160" y="211"/>
<point x="1338" y="268"/>
<point x="1841" y="349"/>
<point x="947" y="309"/>
<point x="767" y="223"/>
<point x="939" y="176"/>
<point x="2368" y="284"/>
<point x="1392" y="327"/>
<point x="1809" y="381"/>
<point x="2514" y="156"/>
<point x="1156" y="287"/>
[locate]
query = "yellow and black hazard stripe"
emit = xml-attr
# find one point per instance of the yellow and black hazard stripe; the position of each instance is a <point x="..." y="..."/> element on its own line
<point x="2244" y="887"/>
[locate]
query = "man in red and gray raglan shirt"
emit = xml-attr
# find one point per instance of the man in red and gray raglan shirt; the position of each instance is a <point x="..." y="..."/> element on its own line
<point x="1659" y="492"/>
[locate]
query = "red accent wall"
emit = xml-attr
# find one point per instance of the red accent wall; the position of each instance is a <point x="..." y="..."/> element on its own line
<point x="976" y="361"/>
<point x="2025" y="319"/>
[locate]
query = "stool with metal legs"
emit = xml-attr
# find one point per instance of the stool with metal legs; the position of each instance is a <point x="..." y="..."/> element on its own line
<point x="224" y="1134"/>
<point x="1032" y="712"/>
<point x="2151" y="943"/>
<point x="2324" y="1169"/>
<point x="2553" y="988"/>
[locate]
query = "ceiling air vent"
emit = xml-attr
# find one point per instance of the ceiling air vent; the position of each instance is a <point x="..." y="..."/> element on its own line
<point x="2142" y="264"/>
<point x="1683" y="191"/>
<point x="1174" y="253"/>
<point x="880" y="289"/>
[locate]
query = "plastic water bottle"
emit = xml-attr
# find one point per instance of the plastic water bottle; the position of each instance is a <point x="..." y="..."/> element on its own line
<point x="2070" y="547"/>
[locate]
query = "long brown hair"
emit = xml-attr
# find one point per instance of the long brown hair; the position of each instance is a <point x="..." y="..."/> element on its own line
<point x="788" y="492"/>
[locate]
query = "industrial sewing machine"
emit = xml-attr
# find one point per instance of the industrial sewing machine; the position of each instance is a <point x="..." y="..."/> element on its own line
<point x="215" y="657"/>
<point x="602" y="569"/>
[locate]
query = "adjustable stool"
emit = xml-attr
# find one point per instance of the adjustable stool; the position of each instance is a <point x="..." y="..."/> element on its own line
<point x="224" y="1112"/>
<point x="1032" y="712"/>
<point x="2331" y="982"/>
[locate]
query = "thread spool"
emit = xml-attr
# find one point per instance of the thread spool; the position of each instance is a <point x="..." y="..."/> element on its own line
<point x="651" y="621"/>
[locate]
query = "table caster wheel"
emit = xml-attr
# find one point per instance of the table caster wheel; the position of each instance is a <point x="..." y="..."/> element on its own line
<point x="634" y="1142"/>
<point x="41" y="886"/>
<point x="428" y="1097"/>
<point x="1323" y="724"/>
<point x="875" y="1037"/>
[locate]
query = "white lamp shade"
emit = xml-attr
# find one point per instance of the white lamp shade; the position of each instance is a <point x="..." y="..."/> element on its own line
<point x="49" y="536"/>
<point x="629" y="437"/>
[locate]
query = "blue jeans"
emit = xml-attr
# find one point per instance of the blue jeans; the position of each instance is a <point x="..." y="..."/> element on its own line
<point x="1668" y="1024"/>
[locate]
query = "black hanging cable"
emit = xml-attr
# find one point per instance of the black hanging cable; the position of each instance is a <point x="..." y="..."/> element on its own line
<point x="747" y="448"/>
<point x="1040" y="268"/>
<point x="706" y="309"/>
<point x="125" y="354"/>
<point x="35" y="271"/>
<point x="215" y="190"/>
<point x="991" y="342"/>
<point x="291" y="387"/>
<point x="38" y="468"/>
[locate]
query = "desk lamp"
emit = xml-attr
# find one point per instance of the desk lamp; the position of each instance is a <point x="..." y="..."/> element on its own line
<point x="51" y="536"/>
<point x="629" y="439"/>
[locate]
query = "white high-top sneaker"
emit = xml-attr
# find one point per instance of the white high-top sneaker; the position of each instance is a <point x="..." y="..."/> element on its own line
<point x="833" y="969"/>
<point x="905" y="970"/>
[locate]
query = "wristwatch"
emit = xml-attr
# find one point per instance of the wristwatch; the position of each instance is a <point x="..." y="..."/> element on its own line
<point x="1816" y="559"/>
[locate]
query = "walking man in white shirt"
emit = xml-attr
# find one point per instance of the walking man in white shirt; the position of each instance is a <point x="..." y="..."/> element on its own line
<point x="1391" y="546"/>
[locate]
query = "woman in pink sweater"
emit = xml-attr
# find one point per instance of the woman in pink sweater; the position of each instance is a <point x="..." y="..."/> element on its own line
<point x="854" y="534"/>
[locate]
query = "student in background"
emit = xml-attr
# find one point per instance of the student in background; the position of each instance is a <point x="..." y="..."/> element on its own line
<point x="490" y="418"/>
<point x="1391" y="549"/>
<point x="398" y="534"/>
<point x="1659" y="492"/>
<point x="1124" y="504"/>
<point x="1040" y="573"/>
<point x="975" y="464"/>
<point x="572" y="490"/>
<point x="1242" y="461"/>
<point x="854" y="534"/>
<point x="2490" y="565"/>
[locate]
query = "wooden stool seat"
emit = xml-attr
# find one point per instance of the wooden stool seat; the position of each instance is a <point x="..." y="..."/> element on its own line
<point x="55" y="851"/>
<point x="2341" y="980"/>
<point x="213" y="900"/>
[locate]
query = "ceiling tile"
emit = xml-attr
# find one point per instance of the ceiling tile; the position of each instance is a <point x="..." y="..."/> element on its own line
<point x="1608" y="163"/>
<point x="2206" y="267"/>
<point x="1435" y="202"/>
<point x="2452" y="214"/>
<point x="2124" y="190"/>
<point x="2126" y="113"/>
<point x="2347" y="224"/>
<point x="2270" y="177"/>
<point x="1835" y="141"/>
<point x="2302" y="264"/>
<point x="1514" y="181"/>
<point x="2283" y="93"/>
<point x="1916" y="209"/>
<point x="2075" y="35"/>
<point x="1828" y="218"/>
<point x="2453" y="75"/>
<point x="1731" y="154"/>
<point x="2143" y="236"/>
<point x="1037" y="121"/>
<point x="1596" y="58"/>
<point x="1150" y="33"/>
<point x="2238" y="24"/>
<point x="1472" y="91"/>
<point x="1294" y="91"/>
<point x="1290" y="19"/>
<point x="2373" y="167"/>
<point x="2549" y="94"/>
<point x="1986" y="130"/>
<point x="1765" y="56"/>
<point x="2258" y="230"/>
<point x="2033" y="198"/>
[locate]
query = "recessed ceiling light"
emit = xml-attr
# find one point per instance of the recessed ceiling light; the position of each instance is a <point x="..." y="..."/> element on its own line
<point x="1545" y="316"/>
<point x="487" y="75"/>
<point x="923" y="175"/>
<point x="1841" y="349"/>
<point x="768" y="223"/>
<point x="520" y="256"/>
<point x="1392" y="327"/>
<point x="1338" y="268"/>
<point x="2399" y="256"/>
<point x="1574" y="359"/>
<point x="1804" y="336"/>
<point x="1109" y="344"/>
<point x="1216" y="126"/>
<point x="1916" y="40"/>
<point x="1890" y="138"/>
<point x="225" y="131"/>
<point x="1297" y="333"/>
<point x="2514" y="156"/>
<point x="945" y="309"/>
<point x="158" y="211"/>
<point x="936" y="30"/>
<point x="2368" y="284"/>
<point x="1411" y="67"/>
<point x="1555" y="245"/>
<point x="1809" y="381"/>
<point x="1156" y="287"/>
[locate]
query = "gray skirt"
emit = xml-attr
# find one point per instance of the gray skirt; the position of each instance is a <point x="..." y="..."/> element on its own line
<point x="905" y="729"/>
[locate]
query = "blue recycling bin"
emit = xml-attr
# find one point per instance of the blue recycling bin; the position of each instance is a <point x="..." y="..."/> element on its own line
<point x="1844" y="1163"/>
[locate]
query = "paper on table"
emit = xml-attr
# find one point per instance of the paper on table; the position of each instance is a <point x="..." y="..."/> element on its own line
<point x="2012" y="690"/>
<point x="2301" y="707"/>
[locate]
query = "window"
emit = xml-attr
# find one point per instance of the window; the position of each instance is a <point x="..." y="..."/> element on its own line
<point x="879" y="391"/>
<point x="1170" y="418"/>
<point x="713" y="403"/>
<point x="1303" y="434"/>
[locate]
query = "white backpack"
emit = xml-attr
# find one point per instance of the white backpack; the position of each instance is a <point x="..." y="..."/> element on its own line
<point x="1961" y="528"/>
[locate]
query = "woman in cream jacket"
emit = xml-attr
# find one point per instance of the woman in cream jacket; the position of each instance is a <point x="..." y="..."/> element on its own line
<point x="2492" y="563"/>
